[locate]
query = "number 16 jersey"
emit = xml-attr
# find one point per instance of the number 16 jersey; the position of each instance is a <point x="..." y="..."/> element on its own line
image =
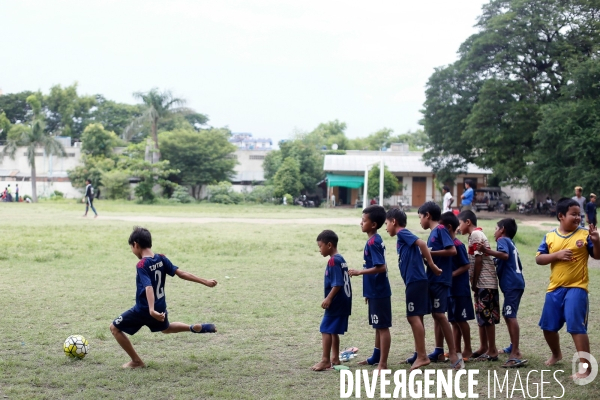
<point x="152" y="271"/>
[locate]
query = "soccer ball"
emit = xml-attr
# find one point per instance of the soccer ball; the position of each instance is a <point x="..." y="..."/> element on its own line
<point x="76" y="346"/>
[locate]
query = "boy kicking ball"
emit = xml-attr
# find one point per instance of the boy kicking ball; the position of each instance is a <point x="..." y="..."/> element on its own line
<point x="150" y="303"/>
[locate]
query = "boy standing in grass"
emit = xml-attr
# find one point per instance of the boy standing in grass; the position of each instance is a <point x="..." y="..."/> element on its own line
<point x="150" y="302"/>
<point x="590" y="210"/>
<point x="460" y="305"/>
<point x="376" y="286"/>
<point x="484" y="284"/>
<point x="442" y="250"/>
<point x="567" y="250"/>
<point x="337" y="303"/>
<point x="411" y="252"/>
<point x="512" y="284"/>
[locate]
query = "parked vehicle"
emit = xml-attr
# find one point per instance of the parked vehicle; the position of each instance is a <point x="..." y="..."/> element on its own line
<point x="491" y="199"/>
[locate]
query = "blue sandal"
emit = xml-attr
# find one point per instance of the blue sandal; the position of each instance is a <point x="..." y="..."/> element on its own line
<point x="206" y="328"/>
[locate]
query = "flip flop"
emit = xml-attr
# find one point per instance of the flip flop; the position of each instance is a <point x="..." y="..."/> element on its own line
<point x="459" y="363"/>
<point x="206" y="328"/>
<point x="485" y="357"/>
<point x="516" y="363"/>
<point x="475" y="356"/>
<point x="340" y="367"/>
<point x="347" y="356"/>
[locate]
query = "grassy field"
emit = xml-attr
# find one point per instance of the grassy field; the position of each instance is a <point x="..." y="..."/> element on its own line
<point x="63" y="274"/>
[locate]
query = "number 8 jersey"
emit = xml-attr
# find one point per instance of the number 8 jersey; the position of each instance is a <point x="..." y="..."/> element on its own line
<point x="336" y="274"/>
<point x="152" y="271"/>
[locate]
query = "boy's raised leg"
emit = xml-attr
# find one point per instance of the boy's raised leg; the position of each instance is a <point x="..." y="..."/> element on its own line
<point x="385" y="341"/>
<point x="582" y="343"/>
<point x="177" y="327"/>
<point x="418" y="330"/>
<point x="553" y="340"/>
<point x="325" y="362"/>
<point x="125" y="343"/>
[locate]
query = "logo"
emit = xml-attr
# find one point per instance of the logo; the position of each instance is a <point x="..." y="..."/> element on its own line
<point x="582" y="362"/>
<point x="118" y="320"/>
<point x="579" y="243"/>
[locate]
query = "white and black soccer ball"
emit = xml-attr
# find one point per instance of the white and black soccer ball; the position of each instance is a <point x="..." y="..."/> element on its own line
<point x="76" y="346"/>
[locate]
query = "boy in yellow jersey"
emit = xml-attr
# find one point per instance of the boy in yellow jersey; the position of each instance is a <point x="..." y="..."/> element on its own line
<point x="567" y="250"/>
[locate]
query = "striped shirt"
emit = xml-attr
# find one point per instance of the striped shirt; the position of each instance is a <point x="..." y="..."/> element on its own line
<point x="487" y="278"/>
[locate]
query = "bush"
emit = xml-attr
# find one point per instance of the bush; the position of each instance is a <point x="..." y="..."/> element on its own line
<point x="262" y="194"/>
<point x="289" y="199"/>
<point x="116" y="184"/>
<point x="513" y="207"/>
<point x="223" y="193"/>
<point x="58" y="194"/>
<point x="181" y="195"/>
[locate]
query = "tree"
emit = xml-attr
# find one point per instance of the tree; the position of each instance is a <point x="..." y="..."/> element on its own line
<point x="33" y="137"/>
<point x="390" y="183"/>
<point x="271" y="164"/>
<point x="66" y="111"/>
<point x="114" y="116"/>
<point x="15" y="106"/>
<point x="201" y="157"/>
<point x="97" y="141"/>
<point x="93" y="168"/>
<point x="157" y="106"/>
<point x="5" y="125"/>
<point x="287" y="179"/>
<point x="309" y="159"/>
<point x="329" y="133"/>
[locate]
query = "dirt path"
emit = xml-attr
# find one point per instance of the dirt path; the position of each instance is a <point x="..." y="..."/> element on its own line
<point x="261" y="221"/>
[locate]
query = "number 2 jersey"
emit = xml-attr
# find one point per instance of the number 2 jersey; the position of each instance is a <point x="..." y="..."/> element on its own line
<point x="510" y="272"/>
<point x="336" y="274"/>
<point x="152" y="271"/>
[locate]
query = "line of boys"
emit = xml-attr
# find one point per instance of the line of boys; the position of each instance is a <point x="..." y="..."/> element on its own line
<point x="447" y="289"/>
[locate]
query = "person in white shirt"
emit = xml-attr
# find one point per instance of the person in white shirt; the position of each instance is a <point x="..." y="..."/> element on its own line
<point x="448" y="200"/>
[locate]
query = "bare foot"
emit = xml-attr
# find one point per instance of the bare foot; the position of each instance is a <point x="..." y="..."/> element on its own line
<point x="381" y="367"/>
<point x="554" y="359"/>
<point x="467" y="354"/>
<point x="134" y="364"/>
<point x="420" y="362"/>
<point x="365" y="362"/>
<point x="580" y="375"/>
<point x="321" y="366"/>
<point x="335" y="361"/>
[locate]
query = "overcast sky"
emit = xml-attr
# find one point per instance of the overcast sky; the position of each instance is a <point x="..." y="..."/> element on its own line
<point x="269" y="67"/>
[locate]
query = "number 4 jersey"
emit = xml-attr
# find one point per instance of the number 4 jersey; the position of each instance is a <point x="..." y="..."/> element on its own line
<point x="510" y="272"/>
<point x="152" y="271"/>
<point x="336" y="274"/>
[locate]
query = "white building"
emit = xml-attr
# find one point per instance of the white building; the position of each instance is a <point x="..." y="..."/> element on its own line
<point x="51" y="171"/>
<point x="249" y="171"/>
<point x="417" y="181"/>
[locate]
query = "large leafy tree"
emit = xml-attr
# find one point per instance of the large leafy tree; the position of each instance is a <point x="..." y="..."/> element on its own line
<point x="201" y="157"/>
<point x="287" y="180"/>
<point x="390" y="183"/>
<point x="15" y="107"/>
<point x="66" y="112"/>
<point x="114" y="116"/>
<point x="33" y="136"/>
<point x="97" y="141"/>
<point x="485" y="108"/>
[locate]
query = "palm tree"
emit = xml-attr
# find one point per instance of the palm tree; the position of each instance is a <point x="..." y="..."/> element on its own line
<point x="33" y="137"/>
<point x="158" y="106"/>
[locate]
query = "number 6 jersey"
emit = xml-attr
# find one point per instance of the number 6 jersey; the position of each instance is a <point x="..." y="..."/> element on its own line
<point x="152" y="271"/>
<point x="336" y="274"/>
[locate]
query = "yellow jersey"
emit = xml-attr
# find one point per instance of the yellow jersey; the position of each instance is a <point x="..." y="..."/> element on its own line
<point x="572" y="273"/>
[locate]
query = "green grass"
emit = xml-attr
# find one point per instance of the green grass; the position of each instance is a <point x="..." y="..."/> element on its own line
<point x="63" y="274"/>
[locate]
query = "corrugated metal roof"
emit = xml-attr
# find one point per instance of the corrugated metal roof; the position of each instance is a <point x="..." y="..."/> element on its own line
<point x="249" y="176"/>
<point x="396" y="163"/>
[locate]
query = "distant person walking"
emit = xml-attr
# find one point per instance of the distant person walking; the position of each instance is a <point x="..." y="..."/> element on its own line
<point x="89" y="198"/>
<point x="9" y="197"/>
<point x="448" y="200"/>
<point x="590" y="210"/>
<point x="17" y="192"/>
<point x="333" y="200"/>
<point x="467" y="197"/>
<point x="581" y="200"/>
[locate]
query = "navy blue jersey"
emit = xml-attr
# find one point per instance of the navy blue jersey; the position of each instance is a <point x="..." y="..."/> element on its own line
<point x="460" y="283"/>
<point x="375" y="286"/>
<point x="510" y="272"/>
<point x="152" y="271"/>
<point x="336" y="274"/>
<point x="440" y="239"/>
<point x="410" y="258"/>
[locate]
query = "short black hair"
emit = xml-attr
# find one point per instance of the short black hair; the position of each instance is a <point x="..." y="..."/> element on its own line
<point x="432" y="209"/>
<point x="376" y="214"/>
<point x="398" y="215"/>
<point x="509" y="225"/>
<point x="328" y="236"/>
<point x="446" y="188"/>
<point x="88" y="180"/>
<point x="449" y="219"/>
<point x="563" y="205"/>
<point x="141" y="236"/>
<point x="468" y="215"/>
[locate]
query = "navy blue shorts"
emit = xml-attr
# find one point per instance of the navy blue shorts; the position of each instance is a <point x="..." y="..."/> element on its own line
<point x="438" y="297"/>
<point x="568" y="305"/>
<point x="380" y="313"/>
<point x="512" y="299"/>
<point x="417" y="299"/>
<point x="131" y="321"/>
<point x="334" y="324"/>
<point x="460" y="309"/>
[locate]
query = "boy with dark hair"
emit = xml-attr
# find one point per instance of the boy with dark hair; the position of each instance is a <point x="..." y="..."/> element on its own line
<point x="447" y="200"/>
<point x="567" y="250"/>
<point x="89" y="198"/>
<point x="442" y="250"/>
<point x="411" y="252"/>
<point x="376" y="286"/>
<point x="590" y="210"/>
<point x="460" y="305"/>
<point x="484" y="284"/>
<point x="512" y="284"/>
<point x="581" y="201"/>
<point x="337" y="303"/>
<point x="150" y="302"/>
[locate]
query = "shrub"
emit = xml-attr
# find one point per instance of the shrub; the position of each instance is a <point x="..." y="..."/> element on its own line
<point x="289" y="199"/>
<point x="223" y="193"/>
<point x="181" y="195"/>
<point x="262" y="194"/>
<point x="116" y="184"/>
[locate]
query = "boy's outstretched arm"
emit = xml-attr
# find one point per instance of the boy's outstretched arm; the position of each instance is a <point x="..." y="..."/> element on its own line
<point x="193" y="278"/>
<point x="150" y="298"/>
<point x="449" y="251"/>
<point x="498" y="254"/>
<point x="377" y="269"/>
<point x="427" y="255"/>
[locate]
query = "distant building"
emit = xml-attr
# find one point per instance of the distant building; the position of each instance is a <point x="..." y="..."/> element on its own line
<point x="249" y="171"/>
<point x="345" y="176"/>
<point x="245" y="141"/>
